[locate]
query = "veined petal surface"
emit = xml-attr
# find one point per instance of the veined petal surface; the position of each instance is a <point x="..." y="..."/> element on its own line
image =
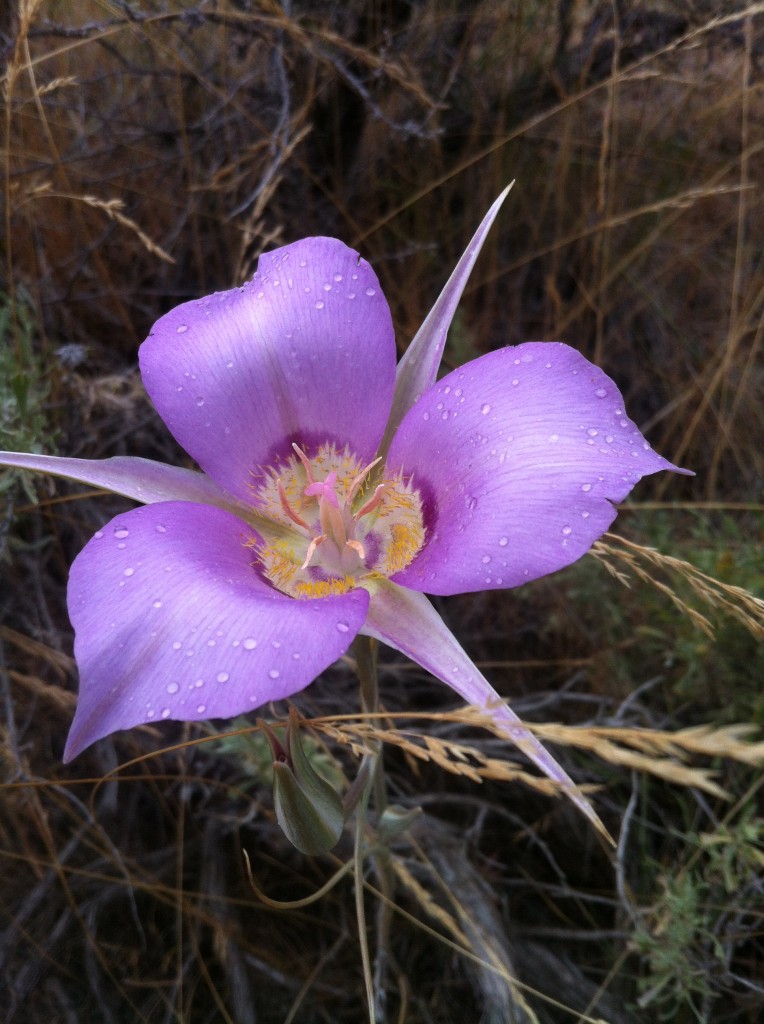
<point x="140" y="479"/>
<point x="173" y="621"/>
<point x="406" y="621"/>
<point x="304" y="352"/>
<point x="519" y="456"/>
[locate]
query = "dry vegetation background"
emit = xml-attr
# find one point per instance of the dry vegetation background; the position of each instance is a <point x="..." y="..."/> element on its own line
<point x="151" y="150"/>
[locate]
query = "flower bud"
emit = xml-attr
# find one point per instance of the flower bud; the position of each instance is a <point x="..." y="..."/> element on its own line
<point x="308" y="810"/>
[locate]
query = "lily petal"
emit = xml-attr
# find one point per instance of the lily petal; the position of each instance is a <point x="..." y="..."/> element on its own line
<point x="303" y="353"/>
<point x="406" y="621"/>
<point x="418" y="368"/>
<point x="519" y="456"/>
<point x="173" y="621"/>
<point x="140" y="479"/>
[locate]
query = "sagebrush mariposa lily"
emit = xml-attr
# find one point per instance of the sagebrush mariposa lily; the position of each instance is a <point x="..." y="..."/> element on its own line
<point x="335" y="491"/>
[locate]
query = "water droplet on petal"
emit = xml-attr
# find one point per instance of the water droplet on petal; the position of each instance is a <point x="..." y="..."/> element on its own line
<point x="98" y="534"/>
<point x="172" y="687"/>
<point x="371" y="291"/>
<point x="586" y="487"/>
<point x="182" y="328"/>
<point x="199" y="401"/>
<point x="250" y="644"/>
<point x="121" y="532"/>
<point x="274" y="673"/>
<point x="201" y="708"/>
<point x="503" y="541"/>
<point x="485" y="409"/>
<point x="157" y="604"/>
<point x="319" y="305"/>
<point x="600" y="392"/>
<point x="223" y="677"/>
<point x="567" y="530"/>
<point x="128" y="572"/>
<point x="343" y="627"/>
<point x="485" y="559"/>
<point x="165" y="712"/>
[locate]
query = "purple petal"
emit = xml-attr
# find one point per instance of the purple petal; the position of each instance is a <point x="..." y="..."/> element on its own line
<point x="173" y="621"/>
<point x="407" y="621"/>
<point x="519" y="456"/>
<point x="303" y="353"/>
<point x="418" y="368"/>
<point x="140" y="479"/>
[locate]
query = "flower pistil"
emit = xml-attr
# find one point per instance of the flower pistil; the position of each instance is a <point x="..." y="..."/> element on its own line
<point x="337" y="537"/>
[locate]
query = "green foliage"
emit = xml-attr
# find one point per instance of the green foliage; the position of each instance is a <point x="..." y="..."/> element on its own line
<point x="250" y="750"/>
<point x="676" y="950"/>
<point x="24" y="390"/>
<point x="640" y="633"/>
<point x="700" y="923"/>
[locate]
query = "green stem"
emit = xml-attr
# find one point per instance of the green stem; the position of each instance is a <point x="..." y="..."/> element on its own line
<point x="360" y="910"/>
<point x="365" y="651"/>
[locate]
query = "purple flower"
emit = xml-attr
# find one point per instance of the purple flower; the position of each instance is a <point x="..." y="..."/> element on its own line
<point x="335" y="491"/>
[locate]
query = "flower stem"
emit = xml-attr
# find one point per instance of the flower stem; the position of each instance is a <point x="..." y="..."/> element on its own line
<point x="360" y="910"/>
<point x="365" y="651"/>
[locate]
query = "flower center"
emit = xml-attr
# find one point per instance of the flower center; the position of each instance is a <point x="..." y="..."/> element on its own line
<point x="336" y="530"/>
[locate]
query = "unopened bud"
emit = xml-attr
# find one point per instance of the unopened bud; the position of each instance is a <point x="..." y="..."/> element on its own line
<point x="308" y="810"/>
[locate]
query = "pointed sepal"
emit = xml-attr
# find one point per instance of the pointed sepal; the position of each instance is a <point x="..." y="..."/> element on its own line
<point x="418" y="368"/>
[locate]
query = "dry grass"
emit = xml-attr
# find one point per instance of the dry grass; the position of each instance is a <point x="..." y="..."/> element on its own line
<point x="151" y="151"/>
